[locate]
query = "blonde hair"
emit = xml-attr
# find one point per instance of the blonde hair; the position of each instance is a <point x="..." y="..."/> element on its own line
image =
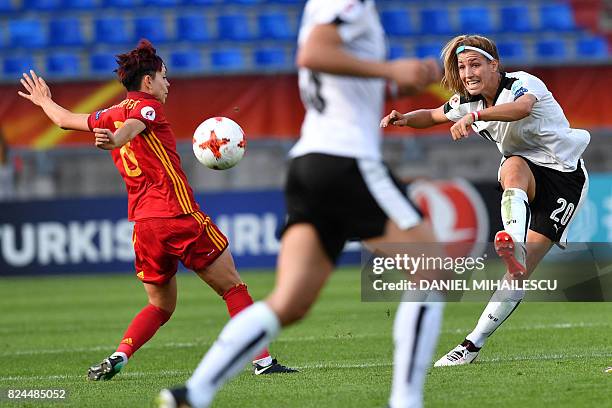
<point x="451" y="79"/>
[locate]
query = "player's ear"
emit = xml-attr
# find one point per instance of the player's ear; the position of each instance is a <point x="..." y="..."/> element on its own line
<point x="494" y="65"/>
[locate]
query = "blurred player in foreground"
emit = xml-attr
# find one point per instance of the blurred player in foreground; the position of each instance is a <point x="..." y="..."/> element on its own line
<point x="169" y="226"/>
<point x="542" y="175"/>
<point x="337" y="189"/>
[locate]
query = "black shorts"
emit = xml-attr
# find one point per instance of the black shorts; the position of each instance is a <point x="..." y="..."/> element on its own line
<point x="558" y="196"/>
<point x="345" y="199"/>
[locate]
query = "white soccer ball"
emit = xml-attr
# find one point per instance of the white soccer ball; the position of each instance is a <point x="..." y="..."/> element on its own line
<point x="219" y="143"/>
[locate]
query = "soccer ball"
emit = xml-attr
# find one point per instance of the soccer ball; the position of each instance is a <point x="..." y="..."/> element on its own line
<point x="219" y="143"/>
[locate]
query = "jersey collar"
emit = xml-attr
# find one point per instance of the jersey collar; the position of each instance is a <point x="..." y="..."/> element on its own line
<point x="139" y="95"/>
<point x="503" y="83"/>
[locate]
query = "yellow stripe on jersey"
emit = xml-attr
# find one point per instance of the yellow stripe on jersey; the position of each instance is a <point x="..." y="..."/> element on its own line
<point x="185" y="204"/>
<point x="181" y="183"/>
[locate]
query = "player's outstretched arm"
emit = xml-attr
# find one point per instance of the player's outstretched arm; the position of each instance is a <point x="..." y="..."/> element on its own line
<point x="39" y="94"/>
<point x="420" y="119"/>
<point x="107" y="140"/>
<point x="324" y="51"/>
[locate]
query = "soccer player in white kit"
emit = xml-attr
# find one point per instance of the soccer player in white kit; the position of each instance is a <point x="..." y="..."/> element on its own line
<point x="337" y="189"/>
<point x="542" y="175"/>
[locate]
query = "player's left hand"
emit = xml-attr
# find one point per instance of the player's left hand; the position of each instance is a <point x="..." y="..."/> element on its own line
<point x="461" y="129"/>
<point x="38" y="90"/>
<point x="104" y="139"/>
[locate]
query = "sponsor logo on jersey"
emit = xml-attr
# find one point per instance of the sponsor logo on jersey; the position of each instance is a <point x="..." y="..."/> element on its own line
<point x="457" y="212"/>
<point x="140" y="275"/>
<point x="100" y="112"/>
<point x="148" y="113"/>
<point x="518" y="89"/>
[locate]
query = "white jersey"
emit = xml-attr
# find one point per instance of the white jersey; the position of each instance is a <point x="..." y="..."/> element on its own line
<point x="343" y="112"/>
<point x="544" y="137"/>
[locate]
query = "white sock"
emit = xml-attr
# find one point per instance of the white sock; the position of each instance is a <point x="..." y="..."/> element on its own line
<point x="501" y="305"/>
<point x="515" y="213"/>
<point x="415" y="334"/>
<point x="264" y="362"/>
<point x="239" y="342"/>
<point x="123" y="356"/>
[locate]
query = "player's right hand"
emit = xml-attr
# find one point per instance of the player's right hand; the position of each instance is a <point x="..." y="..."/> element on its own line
<point x="412" y="75"/>
<point x="394" y="118"/>
<point x="38" y="90"/>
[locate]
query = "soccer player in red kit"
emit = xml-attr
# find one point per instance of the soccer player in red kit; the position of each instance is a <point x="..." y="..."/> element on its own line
<point x="168" y="224"/>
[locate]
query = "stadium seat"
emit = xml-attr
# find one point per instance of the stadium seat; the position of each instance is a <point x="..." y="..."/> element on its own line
<point x="63" y="65"/>
<point x="397" y="51"/>
<point x="228" y="59"/>
<point x="427" y="50"/>
<point x="234" y="27"/>
<point x="246" y="1"/>
<point x="592" y="47"/>
<point x="276" y="26"/>
<point x="203" y="2"/>
<point x="112" y="30"/>
<point x="511" y="50"/>
<point x="122" y="3"/>
<point x="192" y="27"/>
<point x="42" y="5"/>
<point x="475" y="19"/>
<point x="152" y="28"/>
<point x="557" y="17"/>
<point x="551" y="49"/>
<point x="16" y="65"/>
<point x="397" y="22"/>
<point x="66" y="31"/>
<point x="186" y="61"/>
<point x="102" y="63"/>
<point x="436" y="21"/>
<point x="8" y="6"/>
<point x="165" y="3"/>
<point x="26" y="33"/>
<point x="515" y="19"/>
<point x="271" y="57"/>
<point x="82" y="4"/>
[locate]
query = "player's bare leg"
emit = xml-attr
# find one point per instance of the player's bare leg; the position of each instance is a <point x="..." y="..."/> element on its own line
<point x="162" y="302"/>
<point x="223" y="278"/>
<point x="500" y="307"/>
<point x="416" y="326"/>
<point x="303" y="268"/>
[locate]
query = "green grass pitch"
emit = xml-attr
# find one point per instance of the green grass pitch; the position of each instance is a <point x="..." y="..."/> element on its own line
<point x="53" y="328"/>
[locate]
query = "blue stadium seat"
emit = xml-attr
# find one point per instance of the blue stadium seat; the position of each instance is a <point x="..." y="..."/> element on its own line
<point x="511" y="50"/>
<point x="397" y="22"/>
<point x="203" y="2"/>
<point x="427" y="50"/>
<point x="515" y="19"/>
<point x="14" y="66"/>
<point x="8" y="6"/>
<point x="397" y="51"/>
<point x="271" y="57"/>
<point x="43" y="5"/>
<point x="551" y="49"/>
<point x="192" y="27"/>
<point x="112" y="30"/>
<point x="63" y="64"/>
<point x="122" y="3"/>
<point x="475" y="19"/>
<point x="102" y="63"/>
<point x="234" y="27"/>
<point x="246" y="1"/>
<point x="186" y="61"/>
<point x="436" y="21"/>
<point x="165" y="3"/>
<point x="275" y="25"/>
<point x="557" y="17"/>
<point x="66" y="31"/>
<point x="152" y="28"/>
<point x="26" y="33"/>
<point x="228" y="59"/>
<point x="82" y="4"/>
<point x="592" y="47"/>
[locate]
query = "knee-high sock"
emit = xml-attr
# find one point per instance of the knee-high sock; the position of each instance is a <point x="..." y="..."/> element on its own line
<point x="501" y="305"/>
<point x="242" y="338"/>
<point x="144" y="325"/>
<point x="515" y="213"/>
<point x="237" y="299"/>
<point x="415" y="335"/>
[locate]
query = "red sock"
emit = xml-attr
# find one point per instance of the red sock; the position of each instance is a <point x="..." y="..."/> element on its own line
<point x="142" y="328"/>
<point x="238" y="299"/>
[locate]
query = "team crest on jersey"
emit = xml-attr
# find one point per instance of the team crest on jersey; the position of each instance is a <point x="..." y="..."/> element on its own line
<point x="454" y="101"/>
<point x="518" y="89"/>
<point x="148" y="113"/>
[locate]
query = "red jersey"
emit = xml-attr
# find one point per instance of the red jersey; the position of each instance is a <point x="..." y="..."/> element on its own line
<point x="149" y="164"/>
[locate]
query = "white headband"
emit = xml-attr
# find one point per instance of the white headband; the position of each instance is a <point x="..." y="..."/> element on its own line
<point x="462" y="48"/>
